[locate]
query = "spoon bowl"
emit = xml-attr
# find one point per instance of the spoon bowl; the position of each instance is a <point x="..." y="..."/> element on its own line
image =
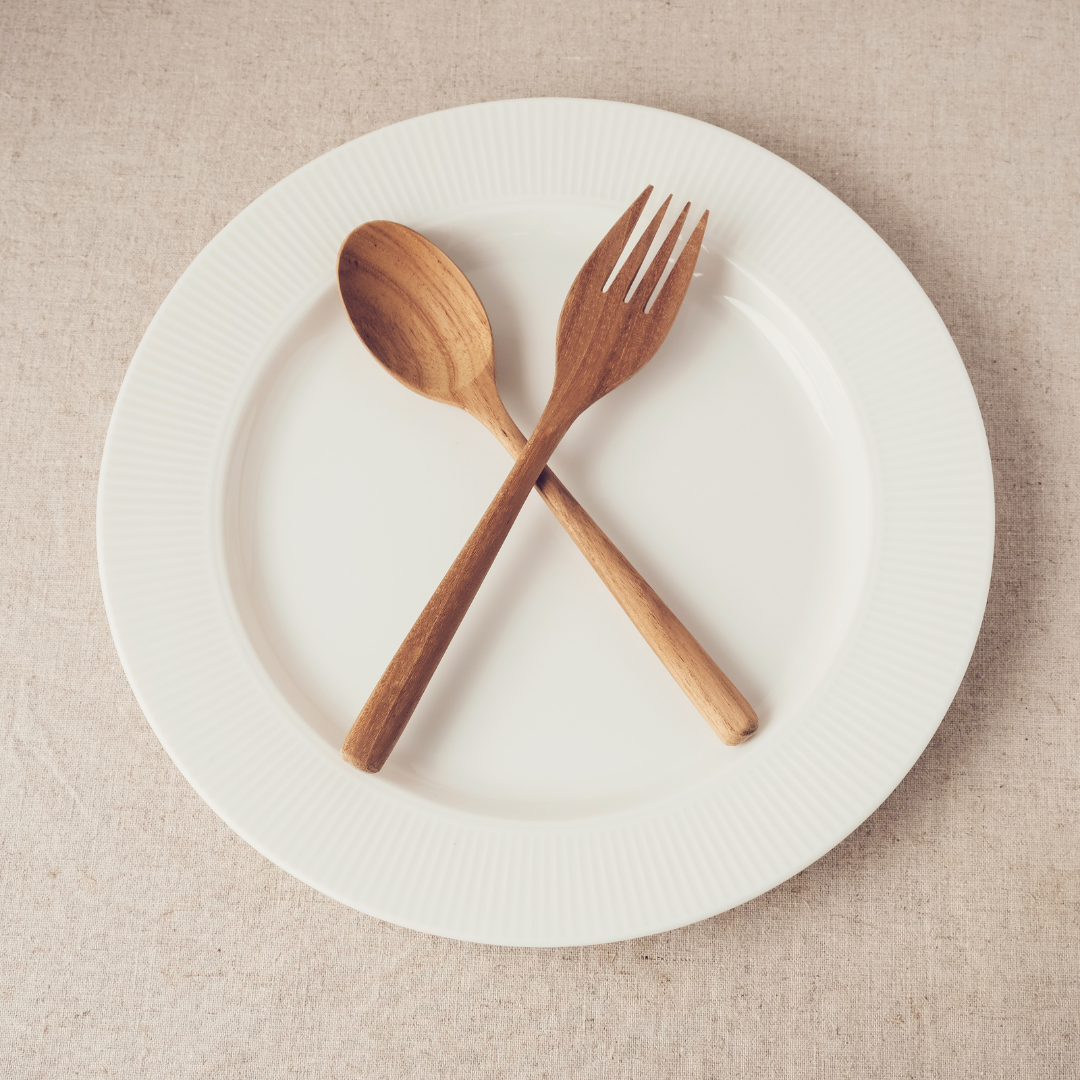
<point x="415" y="311"/>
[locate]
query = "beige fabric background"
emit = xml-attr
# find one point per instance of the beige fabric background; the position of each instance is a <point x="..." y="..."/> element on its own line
<point x="141" y="938"/>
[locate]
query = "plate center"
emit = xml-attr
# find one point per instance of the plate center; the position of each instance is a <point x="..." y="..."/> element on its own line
<point x="731" y="471"/>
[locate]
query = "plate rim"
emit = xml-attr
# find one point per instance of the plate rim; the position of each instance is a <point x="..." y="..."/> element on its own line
<point x="478" y="120"/>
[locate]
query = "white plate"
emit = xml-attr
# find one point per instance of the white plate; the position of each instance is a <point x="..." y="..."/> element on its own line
<point x="801" y="472"/>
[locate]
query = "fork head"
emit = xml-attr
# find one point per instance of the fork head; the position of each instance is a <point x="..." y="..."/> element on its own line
<point x="605" y="336"/>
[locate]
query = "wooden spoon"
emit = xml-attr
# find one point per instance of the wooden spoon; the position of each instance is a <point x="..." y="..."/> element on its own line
<point x="420" y="317"/>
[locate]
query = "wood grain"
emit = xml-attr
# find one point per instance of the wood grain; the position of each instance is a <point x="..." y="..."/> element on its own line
<point x="603" y="339"/>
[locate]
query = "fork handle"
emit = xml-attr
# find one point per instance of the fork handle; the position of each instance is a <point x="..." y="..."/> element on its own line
<point x="396" y="695"/>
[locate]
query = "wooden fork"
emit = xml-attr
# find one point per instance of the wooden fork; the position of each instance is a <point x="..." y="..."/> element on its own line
<point x="603" y="338"/>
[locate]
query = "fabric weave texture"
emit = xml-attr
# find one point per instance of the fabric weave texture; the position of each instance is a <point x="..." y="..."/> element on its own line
<point x="140" y="937"/>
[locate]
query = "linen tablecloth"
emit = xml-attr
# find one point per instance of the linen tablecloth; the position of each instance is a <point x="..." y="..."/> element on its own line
<point x="140" y="937"/>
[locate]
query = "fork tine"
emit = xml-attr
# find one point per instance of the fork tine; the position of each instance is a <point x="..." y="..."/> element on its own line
<point x="606" y="254"/>
<point x="620" y="287"/>
<point x="674" y="290"/>
<point x="656" y="267"/>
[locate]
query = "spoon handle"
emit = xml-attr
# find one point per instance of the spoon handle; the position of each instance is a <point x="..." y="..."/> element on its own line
<point x="398" y="692"/>
<point x="699" y="676"/>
